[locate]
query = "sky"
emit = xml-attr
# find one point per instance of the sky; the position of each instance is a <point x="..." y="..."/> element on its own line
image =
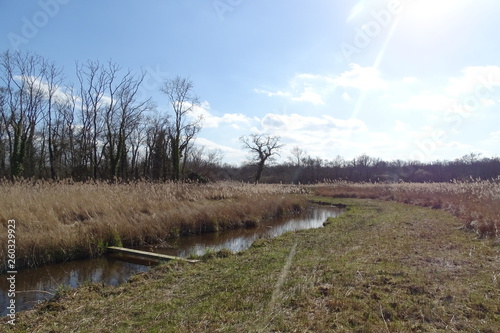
<point x="393" y="79"/>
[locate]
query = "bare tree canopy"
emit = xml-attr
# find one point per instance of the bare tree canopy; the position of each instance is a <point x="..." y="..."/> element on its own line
<point x="24" y="104"/>
<point x="110" y="113"/>
<point x="263" y="147"/>
<point x="297" y="155"/>
<point x="184" y="128"/>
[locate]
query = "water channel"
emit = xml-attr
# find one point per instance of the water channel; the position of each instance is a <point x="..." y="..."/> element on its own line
<point x="39" y="284"/>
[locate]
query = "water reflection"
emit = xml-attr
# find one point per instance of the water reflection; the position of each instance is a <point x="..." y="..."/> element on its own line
<point x="241" y="239"/>
<point x="34" y="285"/>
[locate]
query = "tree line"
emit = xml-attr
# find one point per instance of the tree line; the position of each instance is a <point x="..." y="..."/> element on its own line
<point x="305" y="169"/>
<point x="96" y="128"/>
<point x="102" y="128"/>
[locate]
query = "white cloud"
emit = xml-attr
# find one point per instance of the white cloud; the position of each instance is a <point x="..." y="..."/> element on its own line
<point x="494" y="136"/>
<point x="476" y="87"/>
<point x="309" y="96"/>
<point x="59" y="92"/>
<point x="211" y="121"/>
<point x="488" y="102"/>
<point x="409" y="79"/>
<point x="306" y="95"/>
<point x="425" y="101"/>
<point x="326" y="137"/>
<point x="231" y="155"/>
<point x="437" y="133"/>
<point x="479" y="81"/>
<point x="400" y="126"/>
<point x="489" y="145"/>
<point x="315" y="88"/>
<point x="213" y="145"/>
<point x="272" y="94"/>
<point x="362" y="78"/>
<point x="296" y="122"/>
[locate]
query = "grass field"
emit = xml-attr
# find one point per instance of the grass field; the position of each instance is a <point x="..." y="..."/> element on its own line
<point x="381" y="267"/>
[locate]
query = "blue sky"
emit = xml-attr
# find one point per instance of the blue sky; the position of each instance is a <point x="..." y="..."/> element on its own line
<point x="395" y="79"/>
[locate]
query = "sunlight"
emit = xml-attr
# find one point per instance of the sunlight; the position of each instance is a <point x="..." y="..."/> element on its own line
<point x="420" y="13"/>
<point x="356" y="10"/>
<point x="433" y="13"/>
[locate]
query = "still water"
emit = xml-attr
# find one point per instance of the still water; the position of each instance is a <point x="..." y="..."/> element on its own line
<point x="39" y="284"/>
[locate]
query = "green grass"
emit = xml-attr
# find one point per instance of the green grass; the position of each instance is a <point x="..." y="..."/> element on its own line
<point x="380" y="267"/>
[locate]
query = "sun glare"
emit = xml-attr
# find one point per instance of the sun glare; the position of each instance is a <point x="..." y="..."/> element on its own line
<point x="419" y="13"/>
<point x="431" y="13"/>
<point x="356" y="10"/>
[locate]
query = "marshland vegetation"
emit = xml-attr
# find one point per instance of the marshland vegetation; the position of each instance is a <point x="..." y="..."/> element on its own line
<point x="380" y="267"/>
<point x="476" y="202"/>
<point x="59" y="221"/>
<point x="404" y="257"/>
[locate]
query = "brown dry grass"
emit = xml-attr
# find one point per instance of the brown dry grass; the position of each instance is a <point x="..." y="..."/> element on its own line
<point x="476" y="202"/>
<point x="58" y="221"/>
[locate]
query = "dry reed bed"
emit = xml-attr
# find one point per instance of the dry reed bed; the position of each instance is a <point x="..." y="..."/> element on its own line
<point x="58" y="221"/>
<point x="476" y="202"/>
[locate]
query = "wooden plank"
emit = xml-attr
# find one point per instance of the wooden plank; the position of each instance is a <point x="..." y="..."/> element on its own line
<point x="148" y="255"/>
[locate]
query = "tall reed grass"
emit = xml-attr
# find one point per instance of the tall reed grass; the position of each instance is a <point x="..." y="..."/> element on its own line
<point x="58" y="221"/>
<point x="476" y="202"/>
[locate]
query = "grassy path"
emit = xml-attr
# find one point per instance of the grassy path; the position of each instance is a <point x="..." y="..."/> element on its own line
<point x="381" y="267"/>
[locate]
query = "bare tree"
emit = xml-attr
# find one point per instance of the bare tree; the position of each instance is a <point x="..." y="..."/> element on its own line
<point x="23" y="108"/>
<point x="470" y="158"/>
<point x="156" y="161"/>
<point x="263" y="147"/>
<point x="183" y="128"/>
<point x="122" y="115"/>
<point x="64" y="129"/>
<point x="3" y="130"/>
<point x="297" y="155"/>
<point x="93" y="79"/>
<point x="136" y="141"/>
<point x="204" y="162"/>
<point x="53" y="78"/>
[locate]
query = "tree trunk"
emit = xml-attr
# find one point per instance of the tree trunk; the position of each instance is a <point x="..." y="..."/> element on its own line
<point x="260" y="168"/>
<point x="176" y="158"/>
